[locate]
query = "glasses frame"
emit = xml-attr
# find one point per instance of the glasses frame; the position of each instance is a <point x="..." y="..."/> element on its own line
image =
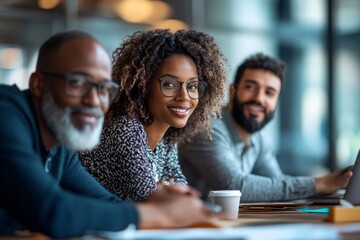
<point x="67" y="77"/>
<point x="187" y="89"/>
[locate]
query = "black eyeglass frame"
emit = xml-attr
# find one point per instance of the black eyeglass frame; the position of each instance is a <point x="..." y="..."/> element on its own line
<point x="67" y="77"/>
<point x="161" y="79"/>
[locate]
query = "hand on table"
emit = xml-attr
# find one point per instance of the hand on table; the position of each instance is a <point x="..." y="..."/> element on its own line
<point x="171" y="208"/>
<point x="163" y="184"/>
<point x="171" y="186"/>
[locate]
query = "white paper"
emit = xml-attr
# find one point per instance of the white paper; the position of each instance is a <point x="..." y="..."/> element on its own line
<point x="277" y="231"/>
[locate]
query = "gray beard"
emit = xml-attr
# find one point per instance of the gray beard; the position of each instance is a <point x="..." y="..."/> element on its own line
<point x="59" y="121"/>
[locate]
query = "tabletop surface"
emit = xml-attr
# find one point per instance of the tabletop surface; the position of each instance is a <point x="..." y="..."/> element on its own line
<point x="245" y="219"/>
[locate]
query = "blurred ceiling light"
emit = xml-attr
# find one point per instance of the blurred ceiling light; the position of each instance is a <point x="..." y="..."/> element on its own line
<point x="172" y="24"/>
<point x="142" y="11"/>
<point x="134" y="11"/>
<point x="161" y="11"/>
<point x="48" y="4"/>
<point x="10" y="58"/>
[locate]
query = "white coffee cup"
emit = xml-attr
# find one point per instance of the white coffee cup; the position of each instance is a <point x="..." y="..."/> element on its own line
<point x="229" y="200"/>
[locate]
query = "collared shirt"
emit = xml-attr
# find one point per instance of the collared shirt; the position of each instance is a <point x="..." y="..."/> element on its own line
<point x="226" y="162"/>
<point x="48" y="191"/>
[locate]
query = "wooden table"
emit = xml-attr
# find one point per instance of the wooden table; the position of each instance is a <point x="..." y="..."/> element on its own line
<point x="262" y="219"/>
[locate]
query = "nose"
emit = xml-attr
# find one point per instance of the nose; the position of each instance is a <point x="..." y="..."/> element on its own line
<point x="259" y="96"/>
<point x="92" y="97"/>
<point x="183" y="93"/>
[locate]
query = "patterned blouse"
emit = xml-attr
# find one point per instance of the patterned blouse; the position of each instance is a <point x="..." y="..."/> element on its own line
<point x="125" y="164"/>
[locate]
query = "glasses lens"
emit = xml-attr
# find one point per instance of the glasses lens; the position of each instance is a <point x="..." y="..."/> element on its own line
<point x="76" y="85"/>
<point x="107" y="90"/>
<point x="169" y="86"/>
<point x="196" y="89"/>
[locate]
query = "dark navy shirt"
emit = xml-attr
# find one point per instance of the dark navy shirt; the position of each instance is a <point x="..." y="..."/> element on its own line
<point x="48" y="191"/>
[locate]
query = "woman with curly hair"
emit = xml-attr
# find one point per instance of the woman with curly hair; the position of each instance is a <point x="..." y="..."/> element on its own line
<point x="170" y="85"/>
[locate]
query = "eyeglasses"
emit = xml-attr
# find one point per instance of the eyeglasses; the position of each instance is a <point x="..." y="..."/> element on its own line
<point x="78" y="85"/>
<point x="170" y="87"/>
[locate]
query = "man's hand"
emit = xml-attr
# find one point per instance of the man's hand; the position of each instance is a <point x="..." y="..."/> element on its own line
<point x="331" y="183"/>
<point x="172" y="209"/>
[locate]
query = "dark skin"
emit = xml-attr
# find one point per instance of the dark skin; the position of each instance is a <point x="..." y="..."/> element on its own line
<point x="140" y="55"/>
<point x="180" y="67"/>
<point x="168" y="208"/>
<point x="183" y="68"/>
<point x="82" y="56"/>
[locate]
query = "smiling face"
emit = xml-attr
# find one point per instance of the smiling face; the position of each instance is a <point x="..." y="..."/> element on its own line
<point x="255" y="98"/>
<point x="75" y="121"/>
<point x="172" y="111"/>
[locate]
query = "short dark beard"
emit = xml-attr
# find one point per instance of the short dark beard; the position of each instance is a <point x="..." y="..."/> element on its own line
<point x="250" y="125"/>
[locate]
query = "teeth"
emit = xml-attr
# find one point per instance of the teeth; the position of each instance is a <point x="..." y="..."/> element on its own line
<point x="253" y="108"/>
<point x="178" y="110"/>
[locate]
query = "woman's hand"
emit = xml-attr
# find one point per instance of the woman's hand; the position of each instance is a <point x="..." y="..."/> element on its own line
<point x="171" y="186"/>
<point x="165" y="183"/>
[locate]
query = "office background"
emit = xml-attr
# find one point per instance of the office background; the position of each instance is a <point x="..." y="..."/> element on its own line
<point x="317" y="125"/>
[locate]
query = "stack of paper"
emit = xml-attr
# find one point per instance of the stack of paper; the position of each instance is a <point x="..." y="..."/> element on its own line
<point x="272" y="207"/>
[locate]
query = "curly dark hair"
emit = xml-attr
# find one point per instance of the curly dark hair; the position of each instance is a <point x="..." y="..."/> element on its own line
<point x="140" y="55"/>
<point x="261" y="61"/>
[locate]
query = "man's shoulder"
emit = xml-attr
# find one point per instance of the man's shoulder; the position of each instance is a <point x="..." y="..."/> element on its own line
<point x="218" y="122"/>
<point x="9" y="91"/>
<point x="12" y="98"/>
<point x="18" y="121"/>
<point x="223" y="122"/>
<point x="222" y="128"/>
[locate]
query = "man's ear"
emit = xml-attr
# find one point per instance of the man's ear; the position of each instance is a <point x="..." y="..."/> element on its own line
<point x="232" y="91"/>
<point x="36" y="84"/>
